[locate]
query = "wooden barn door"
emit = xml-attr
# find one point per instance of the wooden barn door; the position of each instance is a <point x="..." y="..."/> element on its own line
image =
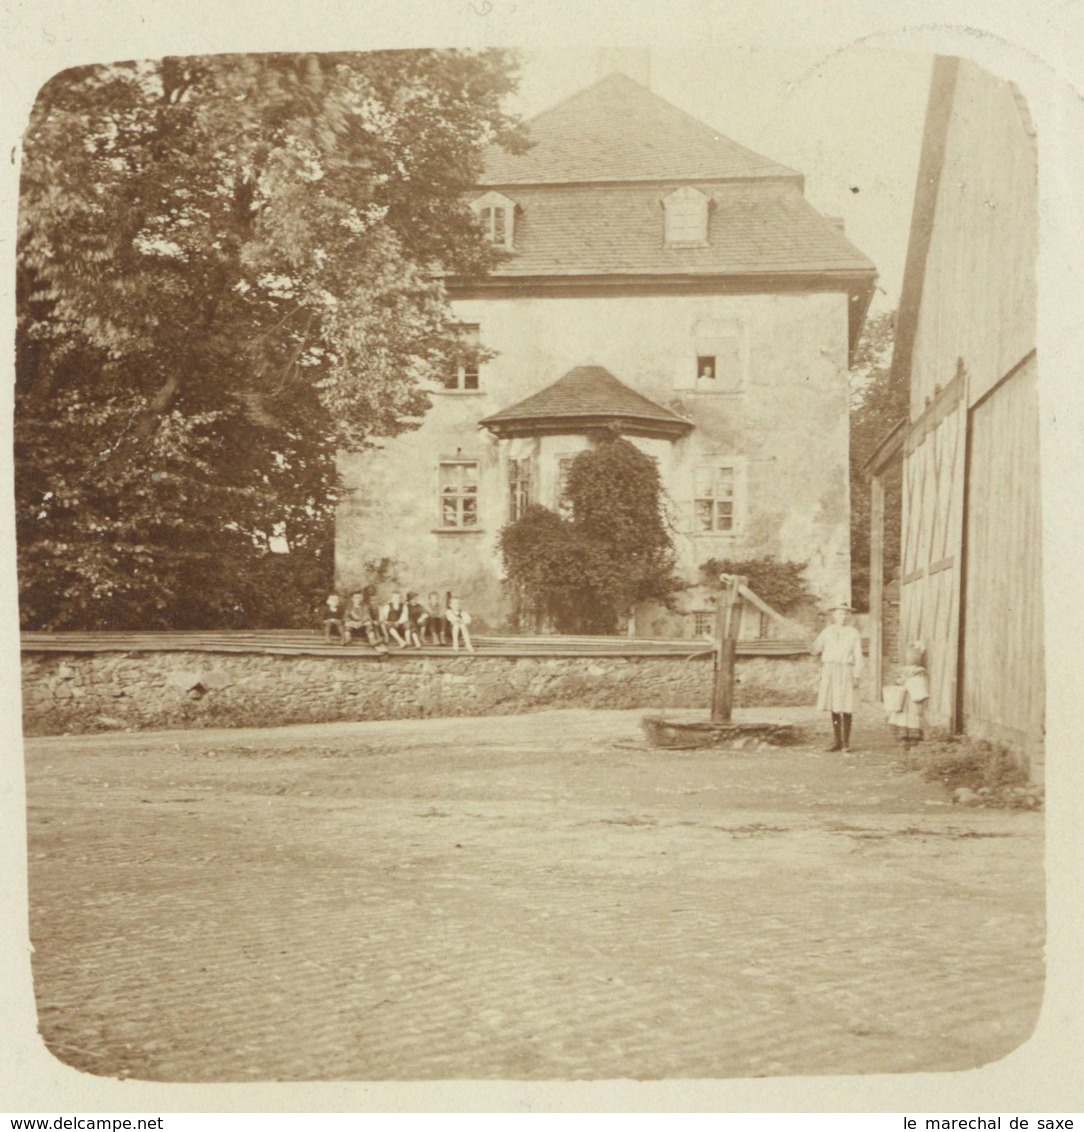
<point x="1002" y="682"/>
<point x="933" y="477"/>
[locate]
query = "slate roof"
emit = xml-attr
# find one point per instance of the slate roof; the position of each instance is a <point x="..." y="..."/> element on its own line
<point x="589" y="211"/>
<point x="589" y="196"/>
<point x="587" y="394"/>
<point x="618" y="230"/>
<point x="617" y="130"/>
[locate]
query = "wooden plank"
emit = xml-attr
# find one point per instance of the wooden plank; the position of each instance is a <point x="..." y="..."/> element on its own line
<point x="1003" y="686"/>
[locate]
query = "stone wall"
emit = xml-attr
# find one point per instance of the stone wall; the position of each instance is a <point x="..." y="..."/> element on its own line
<point x="99" y="691"/>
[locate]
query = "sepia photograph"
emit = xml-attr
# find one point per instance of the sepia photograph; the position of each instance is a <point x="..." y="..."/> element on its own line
<point x="530" y="564"/>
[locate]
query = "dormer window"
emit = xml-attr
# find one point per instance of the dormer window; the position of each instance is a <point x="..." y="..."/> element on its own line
<point x="686" y="218"/>
<point x="496" y="214"/>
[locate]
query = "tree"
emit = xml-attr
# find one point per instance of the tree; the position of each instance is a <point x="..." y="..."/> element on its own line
<point x="230" y="267"/>
<point x="878" y="403"/>
<point x="588" y="572"/>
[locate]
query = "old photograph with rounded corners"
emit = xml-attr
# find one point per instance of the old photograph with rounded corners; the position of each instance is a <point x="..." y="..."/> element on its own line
<point x="530" y="565"/>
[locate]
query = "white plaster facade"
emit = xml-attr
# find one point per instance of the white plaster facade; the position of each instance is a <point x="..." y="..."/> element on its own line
<point x="783" y="429"/>
<point x="773" y="295"/>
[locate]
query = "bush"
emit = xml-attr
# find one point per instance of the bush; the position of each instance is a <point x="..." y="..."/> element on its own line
<point x="587" y="573"/>
<point x="957" y="760"/>
<point x="543" y="559"/>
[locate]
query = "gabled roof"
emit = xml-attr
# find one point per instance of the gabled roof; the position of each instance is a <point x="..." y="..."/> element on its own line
<point x="617" y="130"/>
<point x="587" y="396"/>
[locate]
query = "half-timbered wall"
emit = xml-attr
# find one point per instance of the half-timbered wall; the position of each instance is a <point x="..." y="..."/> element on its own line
<point x="933" y="480"/>
<point x="971" y="569"/>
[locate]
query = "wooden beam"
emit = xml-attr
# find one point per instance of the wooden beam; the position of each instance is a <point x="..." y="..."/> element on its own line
<point x="876" y="584"/>
<point x="765" y="608"/>
<point x="931" y="168"/>
<point x="888" y="450"/>
<point x="727" y="628"/>
<point x="937" y="410"/>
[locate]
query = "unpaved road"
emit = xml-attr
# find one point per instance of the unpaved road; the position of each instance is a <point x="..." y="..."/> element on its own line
<point x="530" y="897"/>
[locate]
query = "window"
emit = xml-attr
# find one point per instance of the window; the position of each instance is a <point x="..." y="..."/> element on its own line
<point x="465" y="374"/>
<point x="704" y="622"/>
<point x="519" y="488"/>
<point x="713" y="507"/>
<point x="496" y="214"/>
<point x="719" y="351"/>
<point x="493" y="224"/>
<point x="721" y="369"/>
<point x="561" y="501"/>
<point x="459" y="494"/>
<point x="686" y="218"/>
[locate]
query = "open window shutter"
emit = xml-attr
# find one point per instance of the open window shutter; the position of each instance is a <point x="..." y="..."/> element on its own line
<point x="723" y="341"/>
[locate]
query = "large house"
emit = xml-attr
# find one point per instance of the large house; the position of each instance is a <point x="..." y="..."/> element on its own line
<point x="662" y="282"/>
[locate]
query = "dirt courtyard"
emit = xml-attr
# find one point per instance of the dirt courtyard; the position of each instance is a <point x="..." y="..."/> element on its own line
<point x="537" y="896"/>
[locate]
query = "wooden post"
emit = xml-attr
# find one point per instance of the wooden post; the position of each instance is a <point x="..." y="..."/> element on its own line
<point x="876" y="585"/>
<point x="727" y="629"/>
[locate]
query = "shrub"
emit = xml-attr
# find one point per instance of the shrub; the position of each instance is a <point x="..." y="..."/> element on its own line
<point x="543" y="560"/>
<point x="588" y="572"/>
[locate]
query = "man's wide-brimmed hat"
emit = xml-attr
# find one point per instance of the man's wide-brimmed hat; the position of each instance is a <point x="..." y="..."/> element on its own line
<point x="841" y="603"/>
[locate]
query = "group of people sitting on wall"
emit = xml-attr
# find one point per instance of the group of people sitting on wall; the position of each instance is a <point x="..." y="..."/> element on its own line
<point x="400" y="621"/>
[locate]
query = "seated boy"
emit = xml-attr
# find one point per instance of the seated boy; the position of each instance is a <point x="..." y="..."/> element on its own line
<point x="458" y="618"/>
<point x="359" y="619"/>
<point x="333" y="620"/>
<point x="416" y="619"/>
<point x="393" y="620"/>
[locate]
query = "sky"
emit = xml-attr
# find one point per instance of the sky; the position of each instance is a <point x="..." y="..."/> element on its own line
<point x="850" y="121"/>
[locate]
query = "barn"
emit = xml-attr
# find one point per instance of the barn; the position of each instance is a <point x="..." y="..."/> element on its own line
<point x="971" y="547"/>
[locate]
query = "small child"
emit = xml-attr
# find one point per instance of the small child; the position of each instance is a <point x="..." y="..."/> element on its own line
<point x="393" y="619"/>
<point x="333" y="620"/>
<point x="416" y="618"/>
<point x="908" y="722"/>
<point x="359" y="619"/>
<point x="458" y="618"/>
